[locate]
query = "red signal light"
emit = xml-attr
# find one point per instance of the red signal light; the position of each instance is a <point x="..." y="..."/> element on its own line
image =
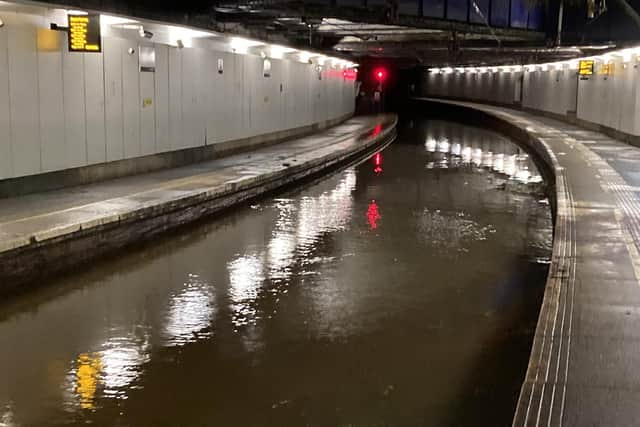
<point x="381" y="74"/>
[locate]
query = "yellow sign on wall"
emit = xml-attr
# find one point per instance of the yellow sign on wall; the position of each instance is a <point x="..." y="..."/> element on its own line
<point x="84" y="33"/>
<point x="606" y="69"/>
<point x="586" y="67"/>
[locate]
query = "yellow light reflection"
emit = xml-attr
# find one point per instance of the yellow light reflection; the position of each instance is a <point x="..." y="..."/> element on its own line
<point x="88" y="374"/>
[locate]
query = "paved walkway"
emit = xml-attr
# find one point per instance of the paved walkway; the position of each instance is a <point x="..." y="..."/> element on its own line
<point x="585" y="363"/>
<point x="35" y="220"/>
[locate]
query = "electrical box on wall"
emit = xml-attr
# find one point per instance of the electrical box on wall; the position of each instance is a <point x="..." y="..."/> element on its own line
<point x="147" y="59"/>
<point x="266" y="67"/>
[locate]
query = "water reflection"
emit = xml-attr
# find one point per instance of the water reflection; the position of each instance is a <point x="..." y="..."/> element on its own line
<point x="373" y="215"/>
<point x="328" y="212"/>
<point x="295" y="234"/>
<point x="6" y="417"/>
<point x="110" y="372"/>
<point x="87" y="376"/>
<point x="245" y="277"/>
<point x="479" y="150"/>
<point x="190" y="313"/>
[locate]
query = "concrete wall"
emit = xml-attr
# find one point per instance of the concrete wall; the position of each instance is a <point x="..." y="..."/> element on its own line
<point x="603" y="100"/>
<point x="61" y="110"/>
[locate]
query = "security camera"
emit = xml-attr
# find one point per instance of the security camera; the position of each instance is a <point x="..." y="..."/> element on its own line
<point x="144" y="33"/>
<point x="179" y="44"/>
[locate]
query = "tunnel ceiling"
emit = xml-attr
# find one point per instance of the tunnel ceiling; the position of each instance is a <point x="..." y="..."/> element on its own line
<point x="364" y="31"/>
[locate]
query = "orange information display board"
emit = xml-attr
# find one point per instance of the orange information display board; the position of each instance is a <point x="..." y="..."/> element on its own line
<point x="586" y="67"/>
<point x="84" y="33"/>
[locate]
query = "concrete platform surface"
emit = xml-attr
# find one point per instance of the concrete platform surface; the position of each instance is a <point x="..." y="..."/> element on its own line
<point x="42" y="231"/>
<point x="584" y="363"/>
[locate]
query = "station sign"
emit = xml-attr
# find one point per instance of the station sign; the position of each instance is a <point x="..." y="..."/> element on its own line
<point x="586" y="67"/>
<point x="84" y="33"/>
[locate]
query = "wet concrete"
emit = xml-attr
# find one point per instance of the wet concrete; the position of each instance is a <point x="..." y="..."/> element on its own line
<point x="404" y="291"/>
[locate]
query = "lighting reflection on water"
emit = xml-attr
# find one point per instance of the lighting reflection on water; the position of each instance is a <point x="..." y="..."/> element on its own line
<point x="296" y="231"/>
<point x="191" y="312"/>
<point x="6" y="416"/>
<point x="328" y="212"/>
<point x="110" y="372"/>
<point x="496" y="155"/>
<point x="245" y="277"/>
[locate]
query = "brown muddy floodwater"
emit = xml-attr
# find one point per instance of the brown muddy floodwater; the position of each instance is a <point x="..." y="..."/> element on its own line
<point x="400" y="292"/>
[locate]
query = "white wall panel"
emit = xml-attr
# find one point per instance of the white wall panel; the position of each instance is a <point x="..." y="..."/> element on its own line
<point x="175" y="99"/>
<point x="114" y="122"/>
<point x="52" y="138"/>
<point x="162" y="98"/>
<point x="190" y="92"/>
<point x="131" y="102"/>
<point x="94" y="108"/>
<point x="23" y="98"/>
<point x="6" y="163"/>
<point x="74" y="117"/>
<point x="147" y="113"/>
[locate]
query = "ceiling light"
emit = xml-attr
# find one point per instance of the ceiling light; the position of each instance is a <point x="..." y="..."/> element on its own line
<point x="240" y="45"/>
<point x="278" y="51"/>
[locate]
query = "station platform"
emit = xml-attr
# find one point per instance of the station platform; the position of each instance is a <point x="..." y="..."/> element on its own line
<point x="583" y="365"/>
<point x="45" y="233"/>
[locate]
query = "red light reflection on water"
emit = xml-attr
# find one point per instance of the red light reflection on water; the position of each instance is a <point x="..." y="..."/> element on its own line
<point x="377" y="163"/>
<point x="373" y="215"/>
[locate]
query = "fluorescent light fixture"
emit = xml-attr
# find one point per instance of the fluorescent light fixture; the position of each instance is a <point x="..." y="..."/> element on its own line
<point x="517" y="68"/>
<point x="626" y="54"/>
<point x="304" y="56"/>
<point x="107" y="21"/>
<point x="240" y="45"/>
<point x="278" y="51"/>
<point x="544" y="67"/>
<point x="460" y="69"/>
<point x="559" y="66"/>
<point x="185" y="35"/>
<point x="471" y="69"/>
<point x="482" y="69"/>
<point x="434" y="70"/>
<point x="494" y="69"/>
<point x="447" y="70"/>
<point x="77" y="12"/>
<point x="506" y="69"/>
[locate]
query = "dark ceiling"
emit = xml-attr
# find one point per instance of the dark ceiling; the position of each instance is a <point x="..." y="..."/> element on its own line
<point x="484" y="32"/>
